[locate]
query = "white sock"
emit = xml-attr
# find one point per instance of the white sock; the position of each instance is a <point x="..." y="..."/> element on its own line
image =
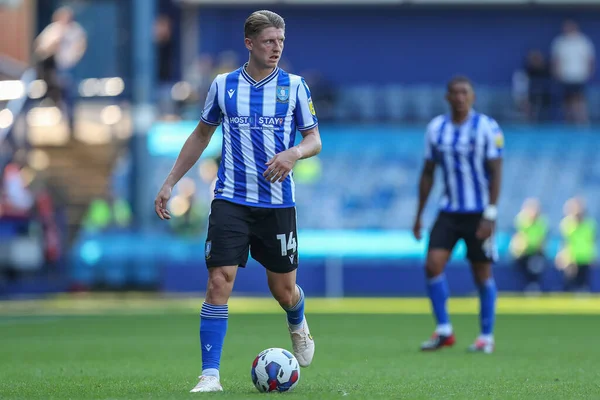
<point x="296" y="327"/>
<point x="487" y="338"/>
<point x="211" y="372"/>
<point x="444" y="329"/>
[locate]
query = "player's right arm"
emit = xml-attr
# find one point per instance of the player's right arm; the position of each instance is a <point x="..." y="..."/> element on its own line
<point x="425" y="181"/>
<point x="192" y="149"/>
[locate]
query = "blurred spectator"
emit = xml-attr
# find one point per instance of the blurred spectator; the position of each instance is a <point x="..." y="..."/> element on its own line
<point x="579" y="245"/>
<point x="199" y="74"/>
<point x="111" y="212"/>
<point x="227" y="61"/>
<point x="573" y="57"/>
<point x="58" y="49"/>
<point x="323" y="94"/>
<point x="527" y="244"/>
<point x="539" y="81"/>
<point x="28" y="226"/>
<point x="163" y="40"/>
<point x="17" y="199"/>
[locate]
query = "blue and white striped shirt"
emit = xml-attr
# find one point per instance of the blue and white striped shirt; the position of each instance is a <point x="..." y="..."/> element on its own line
<point x="462" y="152"/>
<point x="259" y="120"/>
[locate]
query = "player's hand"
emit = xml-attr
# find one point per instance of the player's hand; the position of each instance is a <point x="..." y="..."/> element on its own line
<point x="160" y="204"/>
<point x="485" y="229"/>
<point x="281" y="164"/>
<point x="417" y="229"/>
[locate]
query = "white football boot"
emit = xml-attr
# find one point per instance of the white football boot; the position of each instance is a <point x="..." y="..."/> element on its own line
<point x="207" y="384"/>
<point x="303" y="344"/>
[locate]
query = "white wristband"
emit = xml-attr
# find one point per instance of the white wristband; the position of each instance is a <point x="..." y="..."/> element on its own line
<point x="490" y="213"/>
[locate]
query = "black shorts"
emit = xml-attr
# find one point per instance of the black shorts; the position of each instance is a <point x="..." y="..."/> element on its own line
<point x="269" y="234"/>
<point x="449" y="228"/>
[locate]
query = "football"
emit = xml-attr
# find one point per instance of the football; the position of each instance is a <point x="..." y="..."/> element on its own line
<point x="275" y="370"/>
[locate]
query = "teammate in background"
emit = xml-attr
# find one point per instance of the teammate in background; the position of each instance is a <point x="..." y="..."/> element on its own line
<point x="468" y="148"/>
<point x="260" y="107"/>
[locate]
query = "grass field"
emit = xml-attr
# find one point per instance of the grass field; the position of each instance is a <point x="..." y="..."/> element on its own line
<point x="142" y="348"/>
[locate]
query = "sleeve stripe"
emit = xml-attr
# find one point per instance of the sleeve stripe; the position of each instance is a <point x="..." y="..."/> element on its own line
<point x="209" y="122"/>
<point x="308" y="127"/>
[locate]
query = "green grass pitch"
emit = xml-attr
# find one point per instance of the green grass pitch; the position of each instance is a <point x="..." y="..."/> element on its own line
<point x="145" y="348"/>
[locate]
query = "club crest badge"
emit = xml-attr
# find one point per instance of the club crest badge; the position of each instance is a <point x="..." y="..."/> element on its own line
<point x="283" y="94"/>
<point x="207" y="248"/>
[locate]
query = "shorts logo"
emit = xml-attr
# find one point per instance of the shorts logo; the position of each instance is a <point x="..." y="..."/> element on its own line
<point x="283" y="94"/>
<point x="207" y="248"/>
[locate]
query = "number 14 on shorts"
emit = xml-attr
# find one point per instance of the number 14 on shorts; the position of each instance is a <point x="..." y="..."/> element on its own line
<point x="288" y="242"/>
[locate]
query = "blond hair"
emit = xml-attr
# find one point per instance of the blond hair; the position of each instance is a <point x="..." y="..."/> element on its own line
<point x="261" y="20"/>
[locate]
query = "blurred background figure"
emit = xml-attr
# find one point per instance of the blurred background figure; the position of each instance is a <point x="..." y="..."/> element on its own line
<point x="539" y="96"/>
<point x="528" y="242"/>
<point x="163" y="40"/>
<point x="108" y="212"/>
<point x="579" y="252"/>
<point x="573" y="58"/>
<point x="58" y="49"/>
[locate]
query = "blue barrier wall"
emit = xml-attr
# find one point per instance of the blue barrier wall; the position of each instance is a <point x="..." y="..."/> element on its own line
<point x="121" y="259"/>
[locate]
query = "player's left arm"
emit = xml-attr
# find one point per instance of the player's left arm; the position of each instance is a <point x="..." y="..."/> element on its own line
<point x="282" y="163"/>
<point x="280" y="166"/>
<point x="493" y="164"/>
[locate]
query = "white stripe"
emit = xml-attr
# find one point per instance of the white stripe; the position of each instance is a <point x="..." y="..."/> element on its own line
<point x="243" y="108"/>
<point x="465" y="166"/>
<point x="269" y="109"/>
<point x="479" y="163"/>
<point x="449" y="161"/>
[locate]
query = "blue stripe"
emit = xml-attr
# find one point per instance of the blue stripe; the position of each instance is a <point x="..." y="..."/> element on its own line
<point x="258" y="144"/>
<point x="220" y="184"/>
<point x="472" y="152"/>
<point x="315" y="121"/>
<point x="209" y="122"/>
<point x="457" y="171"/>
<point x="442" y="159"/>
<point x="298" y="115"/>
<point x="214" y="114"/>
<point x="239" y="167"/>
<point x="281" y="110"/>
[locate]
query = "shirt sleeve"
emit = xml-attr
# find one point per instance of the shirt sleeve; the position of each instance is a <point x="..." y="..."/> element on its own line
<point x="429" y="143"/>
<point x="494" y="140"/>
<point x="304" y="112"/>
<point x="212" y="112"/>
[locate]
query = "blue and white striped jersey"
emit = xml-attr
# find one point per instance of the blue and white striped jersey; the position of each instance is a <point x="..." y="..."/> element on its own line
<point x="462" y="152"/>
<point x="259" y="120"/>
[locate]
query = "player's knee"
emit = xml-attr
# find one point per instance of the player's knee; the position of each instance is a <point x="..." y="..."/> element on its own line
<point x="284" y="295"/>
<point x="481" y="273"/>
<point x="433" y="268"/>
<point x="220" y="284"/>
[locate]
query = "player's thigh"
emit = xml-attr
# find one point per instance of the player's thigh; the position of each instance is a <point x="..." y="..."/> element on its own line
<point x="228" y="238"/>
<point x="479" y="252"/>
<point x="442" y="239"/>
<point x="274" y="240"/>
